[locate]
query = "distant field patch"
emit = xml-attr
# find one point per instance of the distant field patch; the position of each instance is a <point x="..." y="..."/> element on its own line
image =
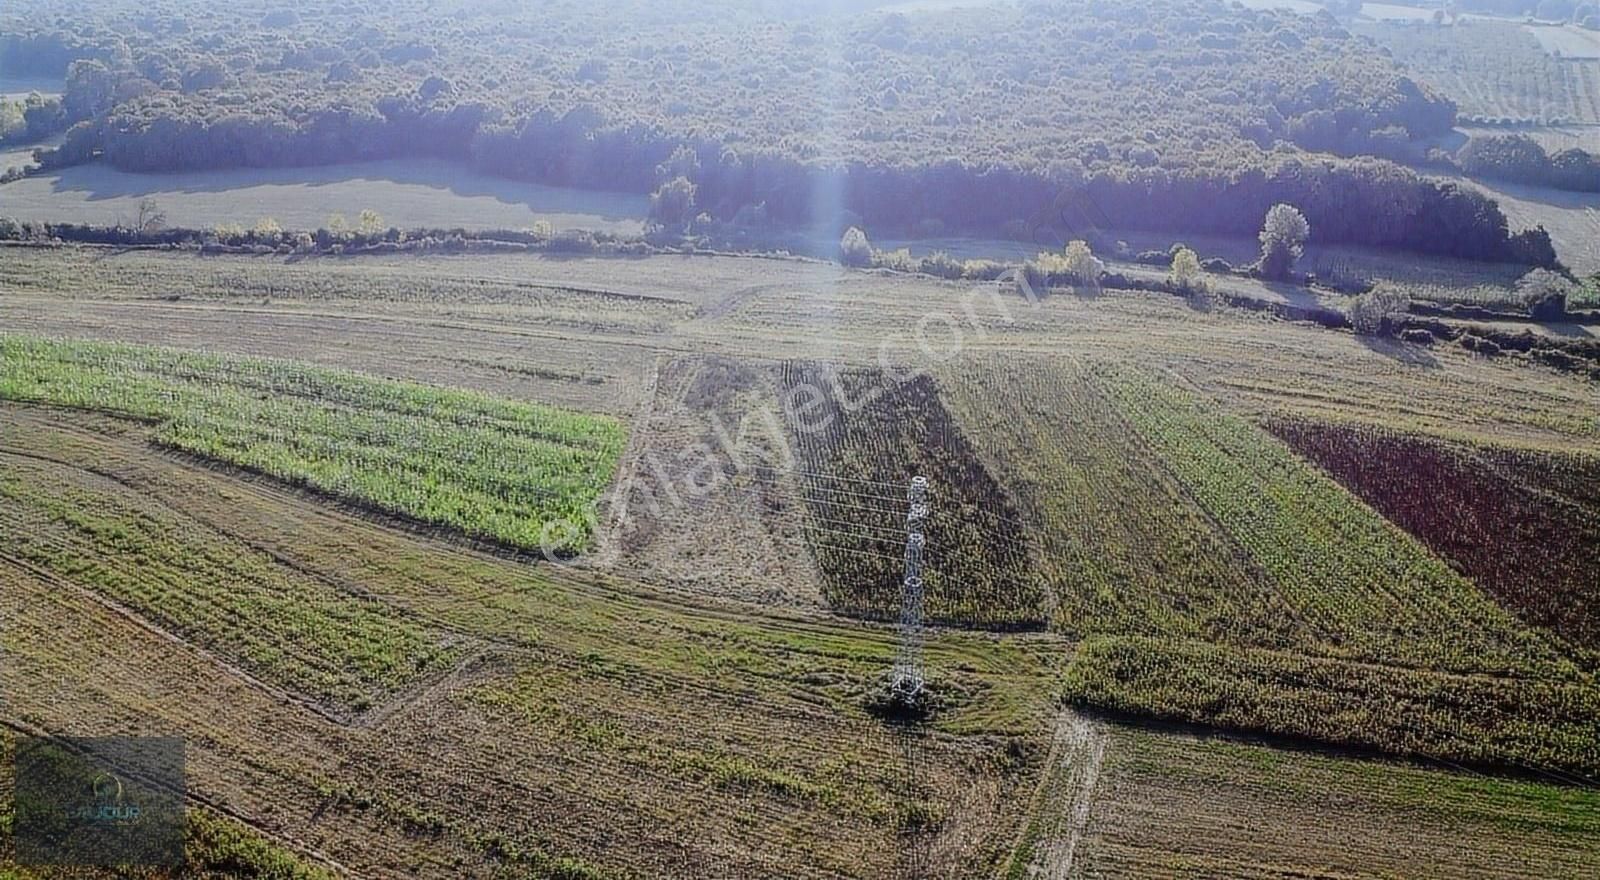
<point x="1498" y="72"/>
<point x="13" y="87"/>
<point x="1571" y="218"/>
<point x="1306" y="7"/>
<point x="407" y="193"/>
<point x="490" y="468"/>
<point x="1567" y="40"/>
<point x="1393" y="12"/>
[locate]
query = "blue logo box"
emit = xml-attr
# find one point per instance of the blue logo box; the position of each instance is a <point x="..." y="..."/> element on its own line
<point x="114" y="801"/>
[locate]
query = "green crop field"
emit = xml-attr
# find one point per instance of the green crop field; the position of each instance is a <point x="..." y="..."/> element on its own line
<point x="490" y="468"/>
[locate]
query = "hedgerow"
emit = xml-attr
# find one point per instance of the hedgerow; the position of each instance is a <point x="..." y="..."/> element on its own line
<point x="1515" y="723"/>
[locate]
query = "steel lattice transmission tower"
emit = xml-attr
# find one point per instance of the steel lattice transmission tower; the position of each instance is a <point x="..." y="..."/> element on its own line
<point x="907" y="682"/>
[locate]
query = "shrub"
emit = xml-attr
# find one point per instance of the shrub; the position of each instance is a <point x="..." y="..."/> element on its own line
<point x="1374" y="313"/>
<point x="1417" y="336"/>
<point x="854" y="248"/>
<point x="1544" y="294"/>
<point x="1081" y="265"/>
<point x="672" y="204"/>
<point x="1186" y="270"/>
<point x="370" y="222"/>
<point x="1033" y="278"/>
<point x="942" y="265"/>
<point x="982" y="270"/>
<point x="896" y="260"/>
<point x="1283" y="239"/>
<point x="267" y="230"/>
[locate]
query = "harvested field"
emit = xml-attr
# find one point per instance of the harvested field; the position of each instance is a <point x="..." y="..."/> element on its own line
<point x="1524" y="525"/>
<point x="706" y="499"/>
<point x="1173" y="805"/>
<point x="338" y="650"/>
<point x="860" y="436"/>
<point x="676" y="730"/>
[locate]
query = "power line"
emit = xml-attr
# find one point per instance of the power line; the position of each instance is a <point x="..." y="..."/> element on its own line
<point x="823" y="475"/>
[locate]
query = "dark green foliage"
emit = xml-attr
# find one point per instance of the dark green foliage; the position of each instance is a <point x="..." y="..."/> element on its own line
<point x="1544" y="295"/>
<point x="1520" y="159"/>
<point x="596" y="107"/>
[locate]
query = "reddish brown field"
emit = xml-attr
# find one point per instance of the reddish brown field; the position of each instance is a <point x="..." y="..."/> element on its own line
<point x="1524" y="525"/>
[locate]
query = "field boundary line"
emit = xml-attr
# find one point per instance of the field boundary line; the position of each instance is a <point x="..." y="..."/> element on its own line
<point x="420" y="691"/>
<point x="137" y="619"/>
<point x="639" y="445"/>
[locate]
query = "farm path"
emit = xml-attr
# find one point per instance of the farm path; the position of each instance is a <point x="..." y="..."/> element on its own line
<point x="1077" y="752"/>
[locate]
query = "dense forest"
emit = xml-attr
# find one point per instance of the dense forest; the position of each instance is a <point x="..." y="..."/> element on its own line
<point x="1034" y="118"/>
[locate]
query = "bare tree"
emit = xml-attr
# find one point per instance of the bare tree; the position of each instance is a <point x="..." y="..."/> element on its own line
<point x="151" y="217"/>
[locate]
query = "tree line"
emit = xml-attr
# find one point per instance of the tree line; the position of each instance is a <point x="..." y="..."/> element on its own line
<point x="1037" y="121"/>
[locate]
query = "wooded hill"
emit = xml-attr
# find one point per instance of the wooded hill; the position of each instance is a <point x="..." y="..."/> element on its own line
<point x="1036" y="119"/>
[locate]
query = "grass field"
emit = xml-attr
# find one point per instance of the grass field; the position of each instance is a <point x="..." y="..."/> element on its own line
<point x="407" y="193"/>
<point x="270" y="618"/>
<point x="522" y="474"/>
